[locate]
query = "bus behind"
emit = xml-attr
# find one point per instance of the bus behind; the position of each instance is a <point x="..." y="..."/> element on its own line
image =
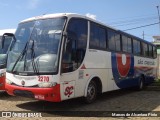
<point x="3" y="54"/>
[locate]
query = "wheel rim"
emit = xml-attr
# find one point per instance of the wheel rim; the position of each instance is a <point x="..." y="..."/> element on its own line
<point x="91" y="91"/>
<point x="141" y="83"/>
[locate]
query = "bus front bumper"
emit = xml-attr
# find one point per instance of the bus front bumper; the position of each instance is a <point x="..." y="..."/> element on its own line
<point x="47" y="94"/>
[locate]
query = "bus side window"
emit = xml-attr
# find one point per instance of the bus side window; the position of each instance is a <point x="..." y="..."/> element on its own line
<point x="126" y="44"/>
<point x="145" y="50"/>
<point x="67" y="57"/>
<point x="97" y="37"/>
<point x="136" y="47"/>
<point x="114" y="42"/>
<point x="150" y="51"/>
<point x="129" y="46"/>
<point x="75" y="45"/>
<point x="111" y="40"/>
<point x="117" y="42"/>
<point x="154" y="52"/>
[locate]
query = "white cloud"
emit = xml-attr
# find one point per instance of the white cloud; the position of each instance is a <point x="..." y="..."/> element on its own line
<point x="33" y="4"/>
<point x="91" y="16"/>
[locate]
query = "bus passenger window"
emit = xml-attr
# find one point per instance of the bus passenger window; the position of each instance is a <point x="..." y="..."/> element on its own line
<point x="97" y="37"/>
<point x="117" y="42"/>
<point x="129" y="46"/>
<point x="136" y="47"/>
<point x="111" y="40"/>
<point x="150" y="51"/>
<point x="114" y="42"/>
<point x="124" y="43"/>
<point x="154" y="52"/>
<point x="145" y="49"/>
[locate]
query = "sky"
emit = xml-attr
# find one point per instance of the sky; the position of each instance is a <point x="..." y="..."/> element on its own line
<point x="120" y="14"/>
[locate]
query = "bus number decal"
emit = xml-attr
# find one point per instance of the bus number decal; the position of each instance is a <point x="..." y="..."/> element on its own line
<point x="43" y="78"/>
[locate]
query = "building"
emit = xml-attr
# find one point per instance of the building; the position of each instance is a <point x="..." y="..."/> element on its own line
<point x="156" y="41"/>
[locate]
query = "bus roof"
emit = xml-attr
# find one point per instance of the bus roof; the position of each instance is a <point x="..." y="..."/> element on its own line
<point x="7" y="31"/>
<point x="47" y="16"/>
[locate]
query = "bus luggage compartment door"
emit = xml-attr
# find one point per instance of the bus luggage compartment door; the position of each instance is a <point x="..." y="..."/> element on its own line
<point x="68" y="90"/>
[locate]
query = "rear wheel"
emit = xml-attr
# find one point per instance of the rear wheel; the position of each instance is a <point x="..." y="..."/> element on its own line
<point x="91" y="92"/>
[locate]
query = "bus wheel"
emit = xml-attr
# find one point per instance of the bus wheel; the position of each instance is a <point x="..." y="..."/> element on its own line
<point x="91" y="92"/>
<point x="141" y="83"/>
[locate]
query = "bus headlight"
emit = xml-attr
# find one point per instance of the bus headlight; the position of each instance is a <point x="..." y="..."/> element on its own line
<point x="8" y="81"/>
<point x="47" y="84"/>
<point x="2" y="73"/>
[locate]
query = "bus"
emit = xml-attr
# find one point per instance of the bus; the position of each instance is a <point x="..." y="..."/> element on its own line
<point x="3" y="54"/>
<point x="63" y="56"/>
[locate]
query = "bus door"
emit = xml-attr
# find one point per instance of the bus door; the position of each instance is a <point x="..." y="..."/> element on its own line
<point x="73" y="55"/>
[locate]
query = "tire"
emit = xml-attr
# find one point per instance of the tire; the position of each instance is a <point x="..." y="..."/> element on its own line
<point x="91" y="92"/>
<point x="141" y="83"/>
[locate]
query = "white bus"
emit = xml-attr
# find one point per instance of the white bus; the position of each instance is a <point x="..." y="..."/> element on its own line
<point x="3" y="54"/>
<point x="62" y="56"/>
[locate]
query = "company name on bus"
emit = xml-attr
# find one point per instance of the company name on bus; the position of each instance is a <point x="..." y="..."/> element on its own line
<point x="145" y="62"/>
<point x="25" y="78"/>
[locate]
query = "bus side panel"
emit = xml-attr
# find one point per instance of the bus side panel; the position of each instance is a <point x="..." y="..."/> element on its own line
<point x="123" y="70"/>
<point x="127" y="69"/>
<point x="98" y="63"/>
<point x="146" y="67"/>
<point x="67" y="85"/>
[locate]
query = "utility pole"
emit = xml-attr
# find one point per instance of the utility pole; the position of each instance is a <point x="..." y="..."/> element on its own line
<point x="143" y="35"/>
<point x="158" y="16"/>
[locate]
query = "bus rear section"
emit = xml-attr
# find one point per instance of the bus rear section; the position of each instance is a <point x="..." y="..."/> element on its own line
<point x="63" y="56"/>
<point x="3" y="55"/>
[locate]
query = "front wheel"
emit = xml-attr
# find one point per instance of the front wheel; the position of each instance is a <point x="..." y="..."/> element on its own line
<point x="91" y="92"/>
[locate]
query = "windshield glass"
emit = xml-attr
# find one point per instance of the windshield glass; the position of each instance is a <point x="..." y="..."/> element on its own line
<point x="0" y="40"/>
<point x="36" y="47"/>
<point x="3" y="51"/>
<point x="6" y="45"/>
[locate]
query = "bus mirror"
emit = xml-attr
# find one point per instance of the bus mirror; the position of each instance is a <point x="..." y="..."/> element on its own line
<point x="68" y="41"/>
<point x="68" y="45"/>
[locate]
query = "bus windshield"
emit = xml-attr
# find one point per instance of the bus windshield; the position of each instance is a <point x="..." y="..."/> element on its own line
<point x="36" y="47"/>
<point x="3" y="51"/>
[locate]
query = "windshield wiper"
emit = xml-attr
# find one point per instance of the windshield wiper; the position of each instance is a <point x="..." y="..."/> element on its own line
<point x="35" y="68"/>
<point x="20" y="56"/>
<point x="23" y="53"/>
